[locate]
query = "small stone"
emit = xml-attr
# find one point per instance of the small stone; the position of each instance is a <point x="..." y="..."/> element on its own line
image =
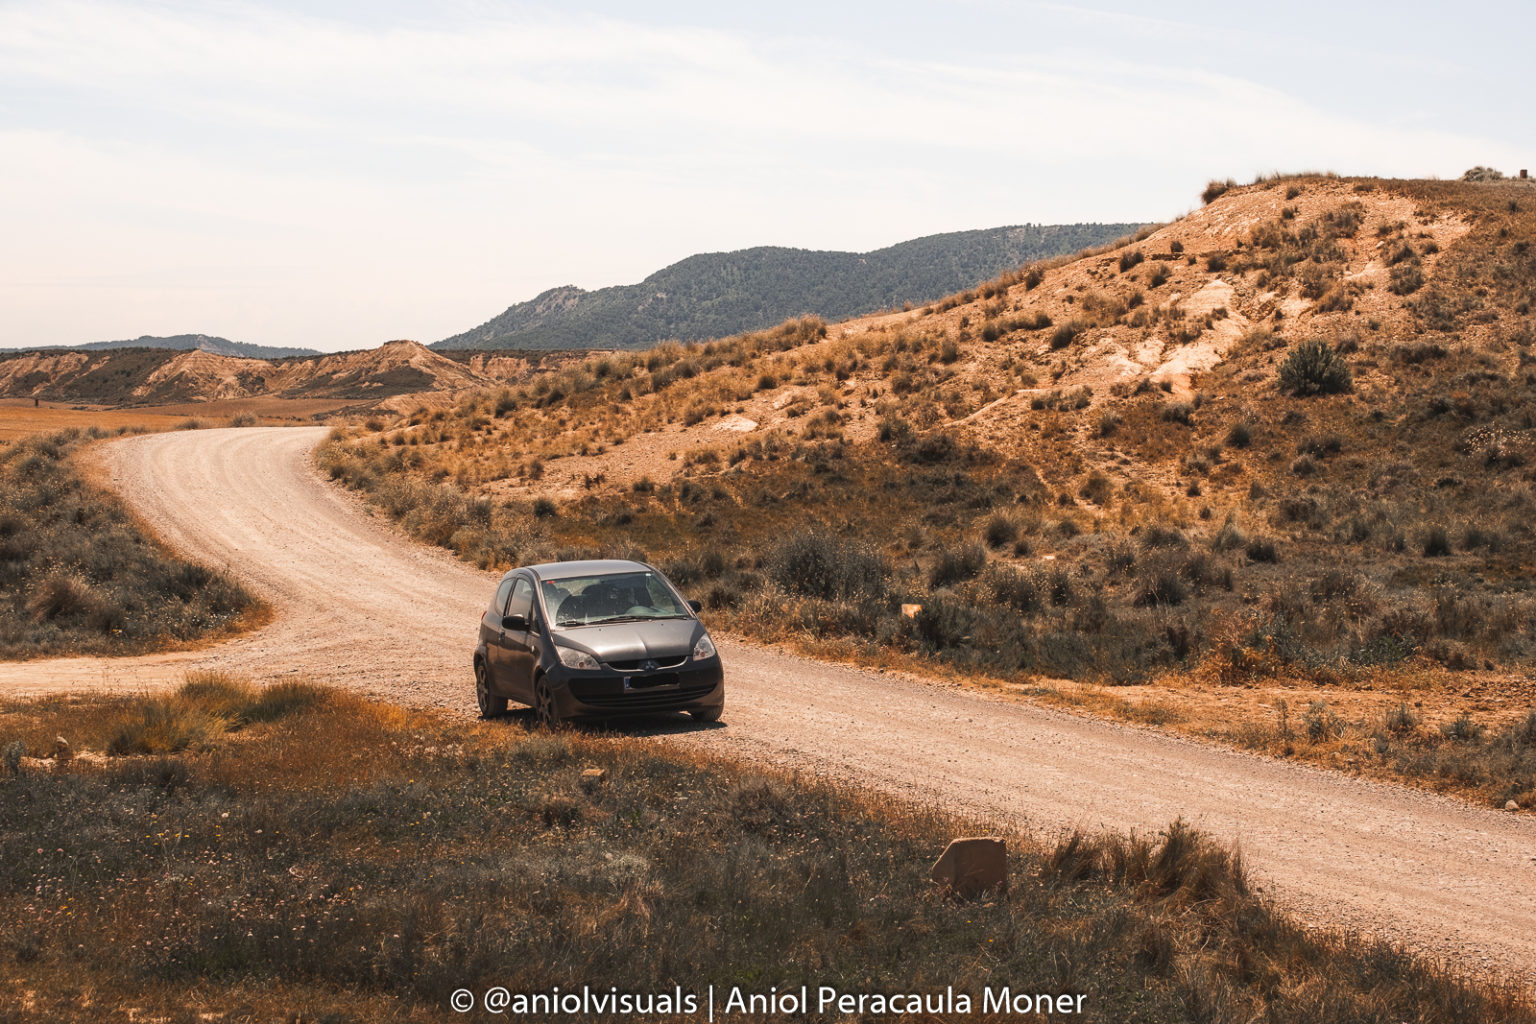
<point x="972" y="865"/>
<point x="591" y="778"/>
<point x="62" y="751"/>
<point x="1510" y="805"/>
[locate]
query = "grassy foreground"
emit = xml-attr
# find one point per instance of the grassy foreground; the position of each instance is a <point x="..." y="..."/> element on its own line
<point x="78" y="575"/>
<point x="295" y="853"/>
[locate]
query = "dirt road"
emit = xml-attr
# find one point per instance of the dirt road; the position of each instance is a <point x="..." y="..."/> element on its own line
<point x="360" y="606"/>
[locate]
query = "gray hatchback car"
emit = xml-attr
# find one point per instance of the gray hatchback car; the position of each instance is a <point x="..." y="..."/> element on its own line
<point x="595" y="639"/>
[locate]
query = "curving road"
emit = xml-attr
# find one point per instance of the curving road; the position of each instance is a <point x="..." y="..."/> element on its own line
<point x="361" y="606"/>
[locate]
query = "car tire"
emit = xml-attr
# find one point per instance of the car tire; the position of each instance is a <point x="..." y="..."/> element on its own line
<point x="707" y="715"/>
<point x="545" y="713"/>
<point x="491" y="706"/>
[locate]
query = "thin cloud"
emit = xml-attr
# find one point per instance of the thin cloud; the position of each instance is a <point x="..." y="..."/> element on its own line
<point x="409" y="180"/>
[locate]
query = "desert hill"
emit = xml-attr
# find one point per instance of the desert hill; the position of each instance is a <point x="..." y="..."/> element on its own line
<point x="162" y="376"/>
<point x="187" y="342"/>
<point x="713" y="295"/>
<point x="1091" y="467"/>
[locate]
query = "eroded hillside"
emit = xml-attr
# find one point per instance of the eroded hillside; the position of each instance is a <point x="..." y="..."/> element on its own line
<point x="399" y="374"/>
<point x="1087" y="469"/>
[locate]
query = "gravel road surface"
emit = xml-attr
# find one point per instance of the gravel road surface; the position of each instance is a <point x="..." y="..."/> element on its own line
<point x="360" y="605"/>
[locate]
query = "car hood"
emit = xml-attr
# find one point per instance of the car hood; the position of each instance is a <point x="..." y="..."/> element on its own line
<point x="633" y="641"/>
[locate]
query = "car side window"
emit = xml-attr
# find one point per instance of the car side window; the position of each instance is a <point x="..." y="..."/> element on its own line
<point x="499" y="602"/>
<point x="522" y="599"/>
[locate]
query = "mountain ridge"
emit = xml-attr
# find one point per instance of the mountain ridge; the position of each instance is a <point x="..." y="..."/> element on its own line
<point x="179" y="343"/>
<point x="718" y="294"/>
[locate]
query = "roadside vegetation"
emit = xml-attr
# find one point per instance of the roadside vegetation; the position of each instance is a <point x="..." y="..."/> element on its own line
<point x="249" y="864"/>
<point x="77" y="574"/>
<point x="1343" y="502"/>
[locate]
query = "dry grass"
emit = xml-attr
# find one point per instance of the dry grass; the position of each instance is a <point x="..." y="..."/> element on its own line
<point x="19" y="419"/>
<point x="363" y="860"/>
<point x="78" y="575"/>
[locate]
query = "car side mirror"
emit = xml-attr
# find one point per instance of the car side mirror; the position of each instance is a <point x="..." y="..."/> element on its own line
<point x="697" y="606"/>
<point x="514" y="622"/>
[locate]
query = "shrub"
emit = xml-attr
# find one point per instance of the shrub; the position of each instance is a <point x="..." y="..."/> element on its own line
<point x="165" y="726"/>
<point x="1097" y="488"/>
<point x="1160" y="535"/>
<point x="1401" y="720"/>
<point x="1214" y="190"/>
<point x="957" y="564"/>
<point x="1179" y="412"/>
<point x="1160" y="586"/>
<point x="943" y="624"/>
<point x="1463" y="730"/>
<point x="1405" y="279"/>
<point x="1260" y="549"/>
<point x="1012" y="588"/>
<point x="1314" y="368"/>
<point x="1322" y="724"/>
<point x="1437" y="542"/>
<point x="1000" y="531"/>
<point x="1129" y="260"/>
<point x="1066" y="333"/>
<point x="828" y="567"/>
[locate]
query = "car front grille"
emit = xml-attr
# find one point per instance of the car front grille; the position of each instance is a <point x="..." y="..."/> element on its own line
<point x="641" y="666"/>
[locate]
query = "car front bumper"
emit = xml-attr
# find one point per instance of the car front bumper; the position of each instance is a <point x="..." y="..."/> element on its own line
<point x="694" y="686"/>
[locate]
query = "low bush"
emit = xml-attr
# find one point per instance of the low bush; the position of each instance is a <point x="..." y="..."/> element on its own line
<point x="825" y="566"/>
<point x="1066" y="333"/>
<point x="1313" y="368"/>
<point x="955" y="564"/>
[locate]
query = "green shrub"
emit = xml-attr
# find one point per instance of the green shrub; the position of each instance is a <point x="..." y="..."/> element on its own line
<point x="1314" y="368"/>
<point x="957" y="564"/>
<point x="828" y="567"/>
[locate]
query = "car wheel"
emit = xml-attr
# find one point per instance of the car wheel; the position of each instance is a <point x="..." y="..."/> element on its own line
<point x="708" y="714"/>
<point x="490" y="705"/>
<point x="544" y="710"/>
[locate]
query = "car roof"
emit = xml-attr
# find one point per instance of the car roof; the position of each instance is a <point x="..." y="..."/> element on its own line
<point x="591" y="567"/>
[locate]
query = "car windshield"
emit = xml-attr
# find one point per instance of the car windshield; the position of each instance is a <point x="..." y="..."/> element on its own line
<point x="612" y="597"/>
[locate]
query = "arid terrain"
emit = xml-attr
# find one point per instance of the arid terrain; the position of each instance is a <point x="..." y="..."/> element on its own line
<point x="1262" y="474"/>
<point x="359" y="605"/>
<point x="396" y="375"/>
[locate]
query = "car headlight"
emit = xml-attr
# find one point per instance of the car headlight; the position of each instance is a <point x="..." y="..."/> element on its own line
<point x="705" y="648"/>
<point x="570" y="657"/>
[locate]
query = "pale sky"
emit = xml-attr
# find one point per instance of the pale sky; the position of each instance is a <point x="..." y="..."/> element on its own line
<point x="334" y="175"/>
